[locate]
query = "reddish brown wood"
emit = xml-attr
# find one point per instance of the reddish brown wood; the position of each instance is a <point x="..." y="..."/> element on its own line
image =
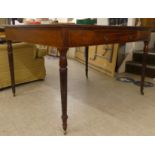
<point x="11" y="66"/>
<point x="78" y="35"/>
<point x="86" y="60"/>
<point x="64" y="36"/>
<point x="144" y="66"/>
<point x="63" y="85"/>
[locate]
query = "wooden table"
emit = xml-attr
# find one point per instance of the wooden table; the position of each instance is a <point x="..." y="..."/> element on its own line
<point x="64" y="36"/>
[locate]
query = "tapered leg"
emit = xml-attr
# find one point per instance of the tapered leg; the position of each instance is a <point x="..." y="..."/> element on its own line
<point x="11" y="66"/>
<point x="63" y="86"/>
<point x="86" y="61"/>
<point x="144" y="66"/>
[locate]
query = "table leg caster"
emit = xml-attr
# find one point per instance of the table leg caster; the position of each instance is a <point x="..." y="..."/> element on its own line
<point x="65" y="132"/>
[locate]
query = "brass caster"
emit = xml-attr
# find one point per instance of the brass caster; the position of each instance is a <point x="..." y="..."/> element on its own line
<point x="65" y="132"/>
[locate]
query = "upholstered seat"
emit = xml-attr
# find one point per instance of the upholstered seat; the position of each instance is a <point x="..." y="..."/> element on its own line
<point x="27" y="66"/>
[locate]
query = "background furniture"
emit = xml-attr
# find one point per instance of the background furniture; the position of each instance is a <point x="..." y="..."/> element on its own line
<point x="102" y="57"/>
<point x="29" y="64"/>
<point x="135" y="65"/>
<point x="2" y="35"/>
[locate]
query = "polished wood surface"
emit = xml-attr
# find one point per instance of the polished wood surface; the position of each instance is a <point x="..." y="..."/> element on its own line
<point x="144" y="66"/>
<point x="11" y="66"/>
<point x="64" y="36"/>
<point x="86" y="60"/>
<point x="70" y="35"/>
<point x="63" y="85"/>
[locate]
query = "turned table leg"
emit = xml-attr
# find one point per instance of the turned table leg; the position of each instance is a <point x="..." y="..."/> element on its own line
<point x="86" y="60"/>
<point x="11" y="66"/>
<point x="144" y="66"/>
<point x="63" y="86"/>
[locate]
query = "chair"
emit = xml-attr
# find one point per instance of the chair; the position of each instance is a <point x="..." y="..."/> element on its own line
<point x="28" y="67"/>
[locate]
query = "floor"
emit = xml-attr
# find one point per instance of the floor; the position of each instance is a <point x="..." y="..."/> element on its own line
<point x="97" y="106"/>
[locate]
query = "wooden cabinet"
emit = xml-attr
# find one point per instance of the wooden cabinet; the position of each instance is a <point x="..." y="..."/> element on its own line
<point x="102" y="57"/>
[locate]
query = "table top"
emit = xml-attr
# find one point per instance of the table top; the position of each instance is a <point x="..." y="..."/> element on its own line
<point x="81" y="26"/>
<point x="74" y="35"/>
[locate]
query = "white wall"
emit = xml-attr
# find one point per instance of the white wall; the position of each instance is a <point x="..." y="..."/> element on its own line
<point x="130" y="46"/>
<point x="140" y="45"/>
<point x="102" y="21"/>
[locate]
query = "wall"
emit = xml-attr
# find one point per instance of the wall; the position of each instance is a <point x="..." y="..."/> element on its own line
<point x="140" y="45"/>
<point x="102" y="21"/>
<point x="3" y="21"/>
<point x="130" y="46"/>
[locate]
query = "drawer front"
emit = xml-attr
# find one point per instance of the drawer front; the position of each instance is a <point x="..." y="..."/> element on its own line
<point x="87" y="37"/>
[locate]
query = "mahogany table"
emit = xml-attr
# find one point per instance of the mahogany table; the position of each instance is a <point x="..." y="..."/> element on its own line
<point x="63" y="36"/>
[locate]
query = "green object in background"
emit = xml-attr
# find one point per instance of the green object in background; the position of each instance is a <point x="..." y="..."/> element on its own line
<point x="90" y="21"/>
